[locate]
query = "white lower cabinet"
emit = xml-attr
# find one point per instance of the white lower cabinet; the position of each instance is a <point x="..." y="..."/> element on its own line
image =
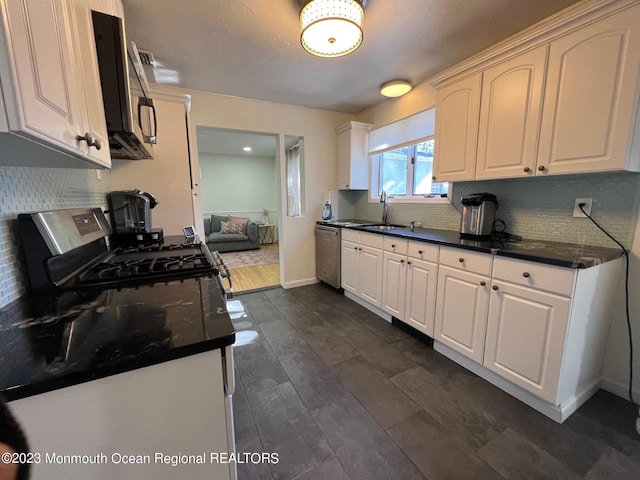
<point x="526" y="336"/>
<point x="349" y="266"/>
<point x="370" y="277"/>
<point x="394" y="283"/>
<point x="461" y="311"/>
<point x="419" y="310"/>
<point x="409" y="282"/>
<point x="536" y="331"/>
<point x="361" y="265"/>
<point x="170" y="408"/>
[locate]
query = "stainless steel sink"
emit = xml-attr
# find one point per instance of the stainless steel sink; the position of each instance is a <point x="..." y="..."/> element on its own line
<point x="387" y="227"/>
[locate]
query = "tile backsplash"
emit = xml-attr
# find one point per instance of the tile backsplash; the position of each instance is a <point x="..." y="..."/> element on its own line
<point x="37" y="189"/>
<point x="538" y="208"/>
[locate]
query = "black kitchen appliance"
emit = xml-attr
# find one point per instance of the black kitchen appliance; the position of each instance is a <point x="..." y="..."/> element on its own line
<point x="132" y="128"/>
<point x="130" y="215"/>
<point x="68" y="250"/>
<point x="478" y="215"/>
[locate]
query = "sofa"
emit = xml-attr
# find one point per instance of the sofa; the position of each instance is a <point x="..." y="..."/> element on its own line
<point x="222" y="241"/>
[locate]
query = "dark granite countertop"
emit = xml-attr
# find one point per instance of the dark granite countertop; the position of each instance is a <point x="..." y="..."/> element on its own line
<point x="53" y="341"/>
<point x="542" y="251"/>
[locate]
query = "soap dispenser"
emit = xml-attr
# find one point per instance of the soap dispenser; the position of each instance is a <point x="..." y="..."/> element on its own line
<point x="326" y="209"/>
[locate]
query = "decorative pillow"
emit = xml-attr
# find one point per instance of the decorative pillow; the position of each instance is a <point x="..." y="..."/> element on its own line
<point x="231" y="227"/>
<point x="216" y="220"/>
<point x="239" y="220"/>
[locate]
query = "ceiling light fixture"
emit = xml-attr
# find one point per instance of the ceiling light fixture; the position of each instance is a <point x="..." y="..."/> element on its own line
<point x="395" y="88"/>
<point x="331" y="28"/>
<point x="246" y="149"/>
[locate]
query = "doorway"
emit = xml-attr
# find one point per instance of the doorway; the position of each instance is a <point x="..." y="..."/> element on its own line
<point x="240" y="177"/>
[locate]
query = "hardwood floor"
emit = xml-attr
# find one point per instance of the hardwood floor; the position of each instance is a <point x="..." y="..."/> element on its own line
<point x="259" y="276"/>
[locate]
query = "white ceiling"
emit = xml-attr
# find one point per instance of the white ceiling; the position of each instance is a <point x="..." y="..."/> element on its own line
<point x="251" y="48"/>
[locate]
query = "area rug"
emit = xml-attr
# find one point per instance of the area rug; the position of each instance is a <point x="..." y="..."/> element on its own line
<point x="250" y="258"/>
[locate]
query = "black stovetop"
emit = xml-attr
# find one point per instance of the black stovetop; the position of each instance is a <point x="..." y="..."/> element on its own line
<point x="50" y="341"/>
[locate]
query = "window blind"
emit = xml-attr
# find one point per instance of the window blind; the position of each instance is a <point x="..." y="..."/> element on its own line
<point x="408" y="131"/>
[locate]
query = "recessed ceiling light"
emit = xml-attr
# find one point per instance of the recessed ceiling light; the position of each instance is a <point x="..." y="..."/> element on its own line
<point x="247" y="149"/>
<point x="395" y="88"/>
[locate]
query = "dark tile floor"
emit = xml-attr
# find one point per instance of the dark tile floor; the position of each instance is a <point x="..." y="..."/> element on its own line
<point x="338" y="393"/>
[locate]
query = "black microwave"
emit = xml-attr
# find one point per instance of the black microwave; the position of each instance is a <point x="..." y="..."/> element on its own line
<point x="130" y="130"/>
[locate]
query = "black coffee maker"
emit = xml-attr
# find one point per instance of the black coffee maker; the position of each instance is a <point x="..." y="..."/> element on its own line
<point x="130" y="215"/>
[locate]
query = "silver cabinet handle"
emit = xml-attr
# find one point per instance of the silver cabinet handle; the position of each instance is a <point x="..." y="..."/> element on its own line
<point x="90" y="141"/>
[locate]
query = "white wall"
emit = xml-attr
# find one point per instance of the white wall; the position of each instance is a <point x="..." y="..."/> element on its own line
<point x="616" y="368"/>
<point x="237" y="183"/>
<point x="296" y="237"/>
<point x="166" y="176"/>
<point x="422" y="97"/>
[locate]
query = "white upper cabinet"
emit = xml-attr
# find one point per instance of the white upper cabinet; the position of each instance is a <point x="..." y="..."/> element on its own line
<point x="44" y="77"/>
<point x="590" y="103"/>
<point x="563" y="100"/>
<point x="510" y="116"/>
<point x="457" y="113"/>
<point x="353" y="159"/>
<point x="91" y="91"/>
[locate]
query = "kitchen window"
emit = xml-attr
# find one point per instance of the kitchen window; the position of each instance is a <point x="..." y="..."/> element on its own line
<point x="405" y="174"/>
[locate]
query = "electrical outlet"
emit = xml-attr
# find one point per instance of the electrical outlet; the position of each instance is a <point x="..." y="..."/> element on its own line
<point x="587" y="207"/>
<point x="98" y="174"/>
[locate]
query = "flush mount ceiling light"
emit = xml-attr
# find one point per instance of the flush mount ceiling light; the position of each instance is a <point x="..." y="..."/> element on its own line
<point x="247" y="148"/>
<point x="331" y="28"/>
<point x="395" y="88"/>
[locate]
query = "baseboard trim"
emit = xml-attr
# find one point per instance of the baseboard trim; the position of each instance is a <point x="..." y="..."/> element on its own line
<point x="619" y="389"/>
<point x="300" y="283"/>
<point x="557" y="413"/>
<point x="372" y="308"/>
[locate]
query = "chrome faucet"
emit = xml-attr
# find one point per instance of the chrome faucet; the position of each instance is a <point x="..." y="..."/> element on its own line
<point x="383" y="200"/>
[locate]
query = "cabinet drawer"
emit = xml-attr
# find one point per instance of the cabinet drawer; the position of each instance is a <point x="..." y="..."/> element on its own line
<point x="466" y="260"/>
<point x="553" y="279"/>
<point x="423" y="251"/>
<point x="350" y="235"/>
<point x="396" y="245"/>
<point x="371" y="240"/>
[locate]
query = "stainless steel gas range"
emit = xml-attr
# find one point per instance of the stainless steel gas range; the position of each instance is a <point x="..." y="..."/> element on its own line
<point x="69" y="250"/>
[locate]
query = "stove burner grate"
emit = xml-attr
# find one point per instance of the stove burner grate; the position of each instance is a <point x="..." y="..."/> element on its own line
<point x="148" y="264"/>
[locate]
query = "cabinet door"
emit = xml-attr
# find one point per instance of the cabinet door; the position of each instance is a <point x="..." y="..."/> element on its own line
<point x="370" y="278"/>
<point x="457" y="114"/>
<point x="461" y="311"/>
<point x="525" y="337"/>
<point x="353" y="159"/>
<point x="45" y="103"/>
<point x="394" y="284"/>
<point x="510" y="116"/>
<point x="590" y="97"/>
<point x="344" y="165"/>
<point x="421" y="295"/>
<point x="90" y="90"/>
<point x="349" y="266"/>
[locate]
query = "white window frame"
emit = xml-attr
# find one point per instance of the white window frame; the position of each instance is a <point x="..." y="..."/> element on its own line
<point x="374" y="178"/>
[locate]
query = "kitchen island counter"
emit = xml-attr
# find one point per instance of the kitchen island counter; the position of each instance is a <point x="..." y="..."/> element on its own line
<point x="51" y="341"/>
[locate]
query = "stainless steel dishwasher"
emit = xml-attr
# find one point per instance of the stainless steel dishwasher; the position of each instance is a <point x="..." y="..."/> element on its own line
<point x="328" y="254"/>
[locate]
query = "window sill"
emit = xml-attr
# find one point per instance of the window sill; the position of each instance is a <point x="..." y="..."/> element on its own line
<point x="424" y="201"/>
